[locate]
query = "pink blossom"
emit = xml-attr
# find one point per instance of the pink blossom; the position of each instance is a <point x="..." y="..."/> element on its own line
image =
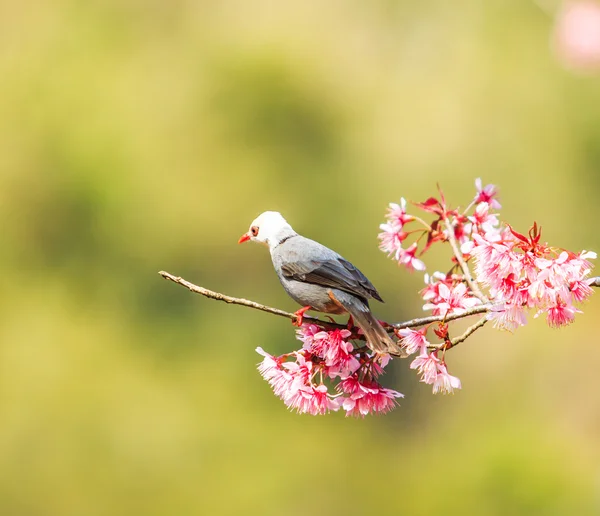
<point x="338" y="355"/>
<point x="301" y="369"/>
<point x="577" y="34"/>
<point x="271" y="369"/>
<point x="507" y="316"/>
<point x="580" y="290"/>
<point x="434" y="371"/>
<point x="486" y="233"/>
<point x="414" y="340"/>
<point x="307" y="334"/>
<point x="407" y="257"/>
<point x="432" y="290"/>
<point x="397" y="215"/>
<point x="467" y="247"/>
<point x="378" y="364"/>
<point x="445" y="382"/>
<point x="427" y="366"/>
<point x="557" y="283"/>
<point x="454" y="300"/>
<point x="316" y="343"/>
<point x="487" y="194"/>
<point x="312" y="400"/>
<point x="499" y="267"/>
<point x="367" y="397"/>
<point x="522" y="273"/>
<point x="556" y="271"/>
<point x="285" y="378"/>
<point x="579" y="265"/>
<point x="588" y="255"/>
<point x="561" y="314"/>
<point x="391" y="239"/>
<point x="332" y="347"/>
<point x="292" y="382"/>
<point x="392" y="235"/>
<point x="483" y="220"/>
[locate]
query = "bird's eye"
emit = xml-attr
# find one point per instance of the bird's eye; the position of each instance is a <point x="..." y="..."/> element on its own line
<point x="254" y="230"/>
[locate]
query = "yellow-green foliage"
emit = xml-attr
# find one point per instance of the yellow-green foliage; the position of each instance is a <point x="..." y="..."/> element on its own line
<point x="146" y="135"/>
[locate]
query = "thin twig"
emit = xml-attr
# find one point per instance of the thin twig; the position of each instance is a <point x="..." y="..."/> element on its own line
<point x="461" y="338"/>
<point x="444" y="346"/>
<point x="245" y="302"/>
<point x="412" y="323"/>
<point x="422" y="321"/>
<point x="461" y="261"/>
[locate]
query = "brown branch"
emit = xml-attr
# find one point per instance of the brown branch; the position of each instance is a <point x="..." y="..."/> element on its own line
<point x="412" y="323"/>
<point x="422" y="321"/>
<point x="245" y="302"/>
<point x="449" y="344"/>
<point x="468" y="332"/>
<point x="463" y="265"/>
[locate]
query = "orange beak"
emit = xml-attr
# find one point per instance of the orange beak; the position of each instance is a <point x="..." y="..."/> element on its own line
<point x="244" y="238"/>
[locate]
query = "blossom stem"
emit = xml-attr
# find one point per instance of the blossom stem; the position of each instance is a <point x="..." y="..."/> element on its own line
<point x="461" y="338"/>
<point x="423" y="233"/>
<point x="468" y="208"/>
<point x="463" y="265"/>
<point x="419" y="219"/>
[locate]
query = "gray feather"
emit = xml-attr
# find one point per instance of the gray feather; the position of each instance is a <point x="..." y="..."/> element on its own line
<point x="314" y="275"/>
<point x="310" y="262"/>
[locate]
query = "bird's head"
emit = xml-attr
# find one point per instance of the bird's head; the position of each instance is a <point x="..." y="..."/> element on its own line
<point x="268" y="228"/>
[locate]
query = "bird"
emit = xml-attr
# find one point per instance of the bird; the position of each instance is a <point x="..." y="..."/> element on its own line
<point x="320" y="279"/>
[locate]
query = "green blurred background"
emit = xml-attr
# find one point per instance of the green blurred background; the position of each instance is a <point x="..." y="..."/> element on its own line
<point x="140" y="135"/>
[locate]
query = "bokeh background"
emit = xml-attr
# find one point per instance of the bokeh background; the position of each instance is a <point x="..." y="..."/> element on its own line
<point x="140" y="135"/>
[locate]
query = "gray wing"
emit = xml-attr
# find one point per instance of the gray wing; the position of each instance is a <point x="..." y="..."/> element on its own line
<point x="310" y="262"/>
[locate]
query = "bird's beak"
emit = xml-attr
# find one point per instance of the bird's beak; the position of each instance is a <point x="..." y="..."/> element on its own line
<point x="244" y="238"/>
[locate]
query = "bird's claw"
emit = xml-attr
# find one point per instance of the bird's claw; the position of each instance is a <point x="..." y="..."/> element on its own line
<point x="300" y="316"/>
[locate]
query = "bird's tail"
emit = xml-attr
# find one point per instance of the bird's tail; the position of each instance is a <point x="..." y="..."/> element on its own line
<point x="377" y="337"/>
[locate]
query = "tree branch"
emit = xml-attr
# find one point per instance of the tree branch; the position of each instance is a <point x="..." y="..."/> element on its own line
<point x="422" y="321"/>
<point x="245" y="302"/>
<point x="461" y="338"/>
<point x="412" y="323"/>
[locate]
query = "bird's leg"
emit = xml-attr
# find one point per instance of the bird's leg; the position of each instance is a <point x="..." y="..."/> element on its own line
<point x="300" y="315"/>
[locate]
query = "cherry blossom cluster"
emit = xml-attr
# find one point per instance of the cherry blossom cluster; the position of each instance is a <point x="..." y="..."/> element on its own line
<point x="430" y="366"/>
<point x="522" y="273"/>
<point x="514" y="273"/>
<point x="328" y="374"/>
<point x="518" y="271"/>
